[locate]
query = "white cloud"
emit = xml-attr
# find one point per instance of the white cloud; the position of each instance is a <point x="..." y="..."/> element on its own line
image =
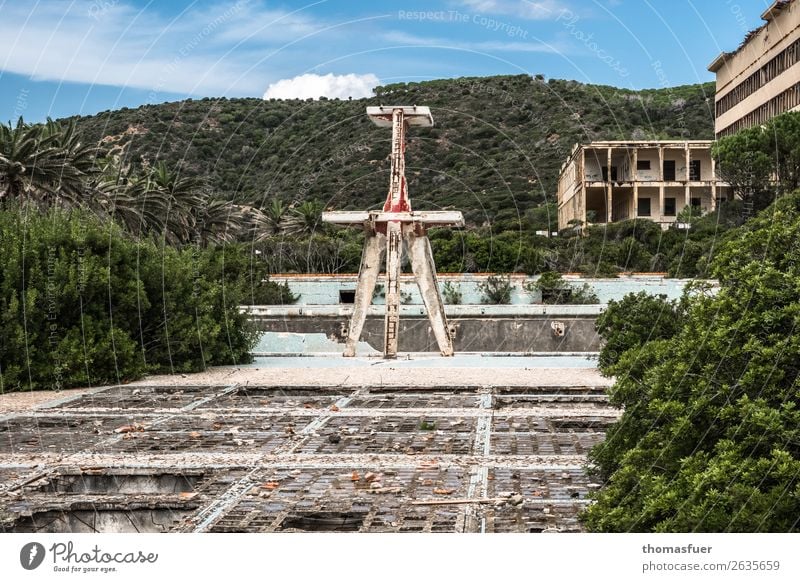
<point x="220" y="49"/>
<point x="528" y="9"/>
<point x="330" y="85"/>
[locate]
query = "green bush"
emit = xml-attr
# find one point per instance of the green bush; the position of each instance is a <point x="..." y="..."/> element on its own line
<point x="496" y="289"/>
<point x="452" y="294"/>
<point x="709" y="437"/>
<point x="82" y="304"/>
<point x="555" y="290"/>
<point x="633" y="321"/>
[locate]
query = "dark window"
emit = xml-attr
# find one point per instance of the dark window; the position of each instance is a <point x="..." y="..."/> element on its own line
<point x="694" y="170"/>
<point x="695" y="202"/>
<point x="669" y="170"/>
<point x="347" y="296"/>
<point x="613" y="173"/>
<point x="669" y="207"/>
<point x="644" y="207"/>
<point x="642" y="164"/>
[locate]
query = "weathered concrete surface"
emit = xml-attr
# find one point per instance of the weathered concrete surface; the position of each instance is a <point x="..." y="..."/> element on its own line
<point x="394" y="373"/>
<point x="383" y="449"/>
<point x="472" y="334"/>
<point x="421" y="255"/>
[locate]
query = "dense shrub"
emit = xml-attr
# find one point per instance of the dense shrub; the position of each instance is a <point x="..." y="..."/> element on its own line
<point x="750" y="158"/>
<point x="452" y="294"/>
<point x="710" y="435"/>
<point x="555" y="290"/>
<point x="496" y="289"/>
<point x="82" y="304"/>
<point x="631" y="322"/>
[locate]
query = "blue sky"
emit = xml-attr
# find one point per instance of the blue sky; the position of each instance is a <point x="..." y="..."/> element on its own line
<point x="67" y="57"/>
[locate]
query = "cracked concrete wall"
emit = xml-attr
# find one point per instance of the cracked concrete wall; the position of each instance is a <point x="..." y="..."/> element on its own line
<point x="472" y="334"/>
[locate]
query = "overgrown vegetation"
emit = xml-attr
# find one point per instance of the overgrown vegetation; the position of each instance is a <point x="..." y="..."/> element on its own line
<point x="629" y="324"/>
<point x="82" y="303"/>
<point x="108" y="272"/>
<point x="50" y="165"/>
<point x="452" y="294"/>
<point x="553" y="289"/>
<point x="427" y="425"/>
<point x="710" y="435"/>
<point x="496" y="289"/>
<point x="762" y="162"/>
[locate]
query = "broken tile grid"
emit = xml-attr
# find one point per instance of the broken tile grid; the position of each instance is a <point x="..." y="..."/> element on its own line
<point x="240" y="458"/>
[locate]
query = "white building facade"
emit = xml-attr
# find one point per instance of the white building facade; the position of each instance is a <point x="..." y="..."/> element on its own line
<point x="760" y="79"/>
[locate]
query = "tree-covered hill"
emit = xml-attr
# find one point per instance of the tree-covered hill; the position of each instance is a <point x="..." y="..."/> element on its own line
<point x="494" y="153"/>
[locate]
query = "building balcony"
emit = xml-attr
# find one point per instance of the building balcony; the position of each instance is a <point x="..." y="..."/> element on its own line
<point x="652" y="183"/>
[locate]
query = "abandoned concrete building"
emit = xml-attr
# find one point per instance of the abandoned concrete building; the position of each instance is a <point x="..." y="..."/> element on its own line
<point x="610" y="181"/>
<point x="760" y="79"/>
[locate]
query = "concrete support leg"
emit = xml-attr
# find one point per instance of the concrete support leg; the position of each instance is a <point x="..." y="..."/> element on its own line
<point x="394" y="251"/>
<point x="419" y="250"/>
<point x="374" y="245"/>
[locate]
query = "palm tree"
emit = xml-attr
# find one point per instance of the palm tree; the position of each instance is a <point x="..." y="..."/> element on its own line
<point x="223" y="221"/>
<point x="44" y="164"/>
<point x="184" y="198"/>
<point x="305" y="218"/>
<point x="275" y="214"/>
<point x="47" y="165"/>
<point x="129" y="199"/>
<point x="77" y="162"/>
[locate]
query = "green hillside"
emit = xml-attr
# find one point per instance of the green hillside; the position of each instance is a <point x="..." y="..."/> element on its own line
<point x="494" y="153"/>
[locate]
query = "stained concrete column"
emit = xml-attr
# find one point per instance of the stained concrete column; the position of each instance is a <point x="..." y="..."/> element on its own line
<point x="713" y="184"/>
<point x="688" y="193"/>
<point x="581" y="175"/>
<point x="419" y="250"/>
<point x="367" y="276"/>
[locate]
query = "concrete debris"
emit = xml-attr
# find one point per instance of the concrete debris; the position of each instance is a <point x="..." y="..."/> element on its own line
<point x="129" y="428"/>
<point x="241" y="458"/>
